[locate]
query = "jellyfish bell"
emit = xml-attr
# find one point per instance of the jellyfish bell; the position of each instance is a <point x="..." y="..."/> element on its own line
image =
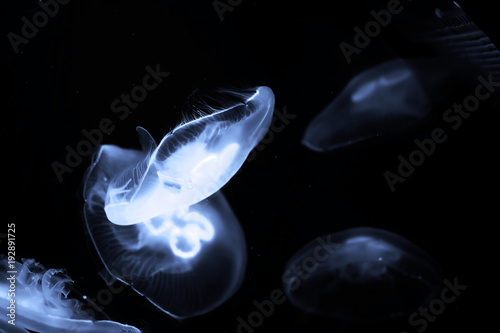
<point x="37" y="300"/>
<point x="186" y="264"/>
<point x="189" y="164"/>
<point x="361" y="274"/>
<point x="386" y="99"/>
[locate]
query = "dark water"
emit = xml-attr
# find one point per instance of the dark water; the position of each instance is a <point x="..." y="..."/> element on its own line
<point x="67" y="90"/>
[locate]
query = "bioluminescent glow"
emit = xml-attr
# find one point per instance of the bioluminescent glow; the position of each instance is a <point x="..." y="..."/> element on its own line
<point x="155" y="215"/>
<point x="361" y="274"/>
<point x="192" y="162"/>
<point x="386" y="99"/>
<point x="38" y="300"/>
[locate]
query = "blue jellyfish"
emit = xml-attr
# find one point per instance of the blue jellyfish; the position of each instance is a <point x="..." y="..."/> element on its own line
<point x="157" y="217"/>
<point x="35" y="299"/>
<point x="361" y="274"/>
<point x="387" y="99"/>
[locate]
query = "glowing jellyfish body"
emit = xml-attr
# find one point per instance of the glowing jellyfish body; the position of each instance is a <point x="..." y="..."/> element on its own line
<point x="361" y="274"/>
<point x="386" y="99"/>
<point x="192" y="162"/>
<point x="156" y="218"/>
<point x="40" y="302"/>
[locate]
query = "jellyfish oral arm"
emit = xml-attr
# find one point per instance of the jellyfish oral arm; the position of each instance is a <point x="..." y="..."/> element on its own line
<point x="184" y="232"/>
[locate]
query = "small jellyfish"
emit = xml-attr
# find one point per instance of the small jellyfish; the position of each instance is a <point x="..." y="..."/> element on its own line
<point x="157" y="217"/>
<point x="384" y="100"/>
<point x="35" y="299"/>
<point x="361" y="274"/>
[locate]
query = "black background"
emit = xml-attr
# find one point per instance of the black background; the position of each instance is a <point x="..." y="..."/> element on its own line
<point x="65" y="78"/>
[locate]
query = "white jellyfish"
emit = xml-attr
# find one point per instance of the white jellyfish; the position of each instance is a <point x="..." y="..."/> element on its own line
<point x="35" y="299"/>
<point x="189" y="164"/>
<point x="157" y="216"/>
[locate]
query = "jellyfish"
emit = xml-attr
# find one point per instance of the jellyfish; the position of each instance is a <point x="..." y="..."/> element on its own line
<point x="387" y="99"/>
<point x="35" y="299"/>
<point x="363" y="274"/>
<point x="157" y="218"/>
<point x="189" y="164"/>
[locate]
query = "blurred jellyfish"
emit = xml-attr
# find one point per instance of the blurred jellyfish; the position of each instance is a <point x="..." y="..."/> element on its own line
<point x="361" y="274"/>
<point x="386" y="99"/>
<point x="156" y="218"/>
<point x="35" y="299"/>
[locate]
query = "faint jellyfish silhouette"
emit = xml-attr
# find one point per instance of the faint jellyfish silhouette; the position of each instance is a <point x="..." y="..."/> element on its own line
<point x="387" y="99"/>
<point x="35" y="298"/>
<point x="156" y="218"/>
<point x="361" y="274"/>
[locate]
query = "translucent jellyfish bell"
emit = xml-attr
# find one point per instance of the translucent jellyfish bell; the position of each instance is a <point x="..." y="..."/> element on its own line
<point x="41" y="304"/>
<point x="186" y="265"/>
<point x="156" y="218"/>
<point x="192" y="162"/>
<point x="386" y="99"/>
<point x="361" y="274"/>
